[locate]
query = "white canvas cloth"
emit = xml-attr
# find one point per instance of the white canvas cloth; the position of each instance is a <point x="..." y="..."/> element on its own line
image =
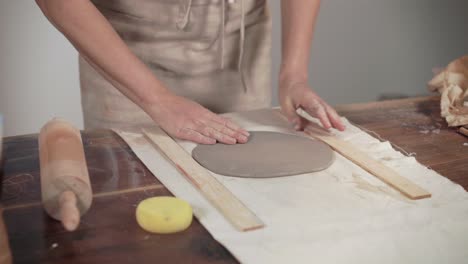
<point x="339" y="215"/>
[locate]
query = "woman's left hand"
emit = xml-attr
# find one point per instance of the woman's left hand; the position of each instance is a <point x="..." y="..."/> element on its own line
<point x="300" y="95"/>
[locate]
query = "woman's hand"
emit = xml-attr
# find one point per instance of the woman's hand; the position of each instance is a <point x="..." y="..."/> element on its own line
<point x="298" y="21"/>
<point x="299" y="95"/>
<point x="189" y="120"/>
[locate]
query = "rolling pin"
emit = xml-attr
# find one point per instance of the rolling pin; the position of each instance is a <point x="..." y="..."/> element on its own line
<point x="65" y="185"/>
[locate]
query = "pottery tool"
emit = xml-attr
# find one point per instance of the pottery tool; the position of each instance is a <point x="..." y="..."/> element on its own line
<point x="234" y="210"/>
<point x="379" y="170"/>
<point x="65" y="185"/>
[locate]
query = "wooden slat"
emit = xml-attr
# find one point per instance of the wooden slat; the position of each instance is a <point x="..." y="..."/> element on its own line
<point x="387" y="104"/>
<point x="234" y="210"/>
<point x="379" y="170"/>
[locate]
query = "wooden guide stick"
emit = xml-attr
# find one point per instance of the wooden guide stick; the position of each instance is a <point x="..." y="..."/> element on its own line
<point x="234" y="210"/>
<point x="65" y="185"/>
<point x="374" y="167"/>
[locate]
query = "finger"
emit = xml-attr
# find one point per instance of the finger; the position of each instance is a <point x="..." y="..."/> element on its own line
<point x="302" y="124"/>
<point x="195" y="136"/>
<point x="297" y="122"/>
<point x="335" y="118"/>
<point x="318" y="111"/>
<point x="236" y="135"/>
<point x="288" y="110"/>
<point x="231" y="125"/>
<point x="213" y="133"/>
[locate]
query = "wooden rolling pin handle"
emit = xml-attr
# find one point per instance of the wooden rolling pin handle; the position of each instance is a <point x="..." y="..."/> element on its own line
<point x="69" y="213"/>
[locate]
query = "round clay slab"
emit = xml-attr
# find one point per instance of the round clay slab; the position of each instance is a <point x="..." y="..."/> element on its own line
<point x="267" y="154"/>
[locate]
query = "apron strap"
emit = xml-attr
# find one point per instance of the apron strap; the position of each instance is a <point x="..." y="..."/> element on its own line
<point x="242" y="46"/>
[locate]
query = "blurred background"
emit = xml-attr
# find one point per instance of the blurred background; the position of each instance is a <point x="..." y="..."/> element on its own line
<point x="364" y="50"/>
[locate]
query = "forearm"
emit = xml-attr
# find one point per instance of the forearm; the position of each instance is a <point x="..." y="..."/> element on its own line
<point x="298" y="22"/>
<point x="93" y="36"/>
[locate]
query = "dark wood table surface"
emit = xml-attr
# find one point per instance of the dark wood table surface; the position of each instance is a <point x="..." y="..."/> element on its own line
<point x="108" y="233"/>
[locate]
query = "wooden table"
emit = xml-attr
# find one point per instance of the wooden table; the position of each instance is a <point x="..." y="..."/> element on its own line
<point x="109" y="232"/>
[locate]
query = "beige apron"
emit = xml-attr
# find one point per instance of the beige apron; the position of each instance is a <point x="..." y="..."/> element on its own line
<point x="224" y="66"/>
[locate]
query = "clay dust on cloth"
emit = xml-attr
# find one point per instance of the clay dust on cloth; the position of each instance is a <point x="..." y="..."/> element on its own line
<point x="339" y="215"/>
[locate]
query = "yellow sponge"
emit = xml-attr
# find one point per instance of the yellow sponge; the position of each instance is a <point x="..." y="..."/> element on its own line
<point x="164" y="215"/>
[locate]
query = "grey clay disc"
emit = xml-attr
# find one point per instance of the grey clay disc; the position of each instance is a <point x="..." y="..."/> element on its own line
<point x="267" y="154"/>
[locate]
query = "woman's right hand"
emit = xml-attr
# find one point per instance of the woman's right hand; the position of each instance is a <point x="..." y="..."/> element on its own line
<point x="189" y="120"/>
<point x="96" y="40"/>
